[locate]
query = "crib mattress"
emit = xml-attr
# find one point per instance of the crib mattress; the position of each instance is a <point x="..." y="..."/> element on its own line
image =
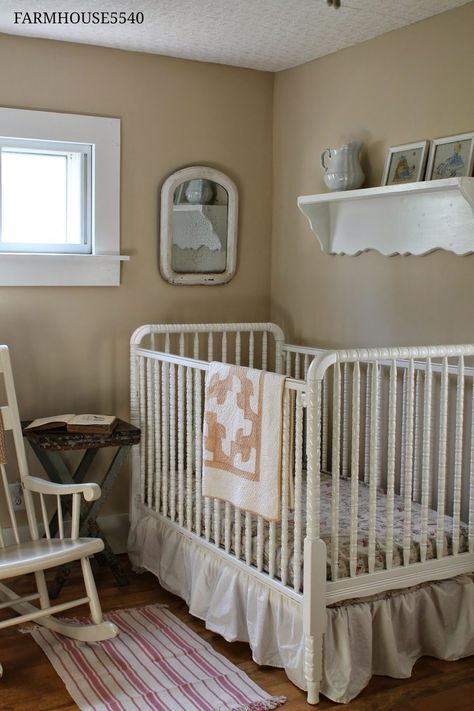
<point x="343" y="567"/>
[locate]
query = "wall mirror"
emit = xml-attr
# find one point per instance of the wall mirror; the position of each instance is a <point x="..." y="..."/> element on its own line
<point x="198" y="239"/>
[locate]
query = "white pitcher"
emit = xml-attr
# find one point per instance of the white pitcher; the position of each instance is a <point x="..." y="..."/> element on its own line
<point x="343" y="171"/>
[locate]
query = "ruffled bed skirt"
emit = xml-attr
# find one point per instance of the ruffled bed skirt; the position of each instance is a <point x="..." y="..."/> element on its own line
<point x="382" y="635"/>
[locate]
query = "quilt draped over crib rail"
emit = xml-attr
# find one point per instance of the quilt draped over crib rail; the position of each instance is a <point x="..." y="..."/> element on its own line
<point x="242" y="438"/>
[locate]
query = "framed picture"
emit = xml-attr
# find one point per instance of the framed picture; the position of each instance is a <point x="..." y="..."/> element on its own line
<point x="405" y="164"/>
<point x="451" y="157"/>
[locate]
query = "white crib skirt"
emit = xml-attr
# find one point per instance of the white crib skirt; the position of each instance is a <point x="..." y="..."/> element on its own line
<point x="385" y="635"/>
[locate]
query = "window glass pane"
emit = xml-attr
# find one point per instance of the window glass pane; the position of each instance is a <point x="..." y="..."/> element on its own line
<point x="34" y="197"/>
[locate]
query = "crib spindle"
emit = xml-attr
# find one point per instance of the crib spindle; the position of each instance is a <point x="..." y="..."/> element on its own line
<point x="181" y="344"/>
<point x="408" y="462"/>
<point x="458" y="455"/>
<point x="248" y="538"/>
<point x="336" y="442"/>
<point x="238" y="348"/>
<point x="391" y="454"/>
<point x="298" y="527"/>
<point x="260" y="539"/>
<point x="285" y="454"/>
<point x="210" y="347"/>
<point x="272" y="550"/>
<point x="368" y="398"/>
<point x="264" y="350"/>
<point x="150" y="455"/>
<point x="325" y="423"/>
<point x="227" y="526"/>
<point x="237" y="532"/>
<point x="251" y="349"/>
<point x="442" y="458"/>
<point x="217" y="522"/>
<point x="157" y="430"/>
<point x="373" y="465"/>
<point x="198" y="446"/>
<point x="207" y="518"/>
<point x="297" y="366"/>
<point x="379" y="426"/>
<point x="189" y="448"/>
<point x="354" y="467"/>
<point x="417" y="437"/>
<point x="404" y="427"/>
<point x="313" y="449"/>
<point x="142" y="396"/>
<point x="345" y="421"/>
<point x="426" y="459"/>
<point x="306" y="365"/>
<point x="224" y="347"/>
<point x="181" y="425"/>
<point x="196" y="346"/>
<point x="166" y="436"/>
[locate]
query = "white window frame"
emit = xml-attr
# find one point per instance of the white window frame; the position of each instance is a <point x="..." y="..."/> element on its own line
<point x="102" y="266"/>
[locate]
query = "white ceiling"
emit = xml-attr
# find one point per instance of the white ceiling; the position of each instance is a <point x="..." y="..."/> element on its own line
<point x="262" y="34"/>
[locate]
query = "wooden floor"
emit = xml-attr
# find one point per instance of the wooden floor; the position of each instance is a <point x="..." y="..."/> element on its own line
<point x="29" y="681"/>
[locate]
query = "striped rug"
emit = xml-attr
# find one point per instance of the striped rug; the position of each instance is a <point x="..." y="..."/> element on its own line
<point x="156" y="662"/>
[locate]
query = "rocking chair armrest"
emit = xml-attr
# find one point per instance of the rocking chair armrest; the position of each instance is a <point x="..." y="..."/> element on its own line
<point x="90" y="491"/>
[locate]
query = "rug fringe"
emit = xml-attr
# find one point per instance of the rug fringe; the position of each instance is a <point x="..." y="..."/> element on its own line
<point x="267" y="705"/>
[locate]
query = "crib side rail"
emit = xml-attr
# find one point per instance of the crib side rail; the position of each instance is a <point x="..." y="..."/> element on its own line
<point x="170" y="393"/>
<point x="401" y="431"/>
<point x="256" y="345"/>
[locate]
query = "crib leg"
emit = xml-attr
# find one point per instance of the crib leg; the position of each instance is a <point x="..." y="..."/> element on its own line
<point x="314" y="614"/>
<point x="313" y="693"/>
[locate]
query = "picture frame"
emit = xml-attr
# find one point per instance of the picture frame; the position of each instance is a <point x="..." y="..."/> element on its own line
<point x="405" y="164"/>
<point x="451" y="157"/>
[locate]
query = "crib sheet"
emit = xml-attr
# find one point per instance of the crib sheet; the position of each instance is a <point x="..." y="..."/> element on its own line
<point x="344" y="531"/>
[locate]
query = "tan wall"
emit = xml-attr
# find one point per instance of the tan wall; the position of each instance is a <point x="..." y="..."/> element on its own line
<point x="405" y="86"/>
<point x="70" y="345"/>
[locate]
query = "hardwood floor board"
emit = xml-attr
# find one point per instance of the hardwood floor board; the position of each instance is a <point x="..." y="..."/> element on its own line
<point x="31" y="684"/>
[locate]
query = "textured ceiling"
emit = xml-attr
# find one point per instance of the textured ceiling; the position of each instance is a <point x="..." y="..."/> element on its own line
<point x="262" y="34"/>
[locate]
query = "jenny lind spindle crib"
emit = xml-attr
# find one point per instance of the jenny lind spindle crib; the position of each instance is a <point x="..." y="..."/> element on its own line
<point x="377" y="496"/>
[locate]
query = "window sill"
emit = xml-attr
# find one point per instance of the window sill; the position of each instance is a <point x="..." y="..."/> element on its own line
<point x="28" y="269"/>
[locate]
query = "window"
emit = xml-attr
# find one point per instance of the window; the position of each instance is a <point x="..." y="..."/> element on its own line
<point x="59" y="199"/>
<point x="45" y="197"/>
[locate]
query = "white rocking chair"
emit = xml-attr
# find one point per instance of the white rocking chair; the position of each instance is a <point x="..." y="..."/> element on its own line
<point x="37" y="554"/>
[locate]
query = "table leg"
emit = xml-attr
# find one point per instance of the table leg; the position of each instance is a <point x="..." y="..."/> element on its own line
<point x="108" y="557"/>
<point x="61" y="576"/>
<point x="105" y="487"/>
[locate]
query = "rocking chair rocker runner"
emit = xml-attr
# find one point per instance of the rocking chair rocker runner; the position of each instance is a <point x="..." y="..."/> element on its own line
<point x="36" y="554"/>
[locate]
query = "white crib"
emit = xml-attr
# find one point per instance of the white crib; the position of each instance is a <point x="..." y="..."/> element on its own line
<point x="377" y="489"/>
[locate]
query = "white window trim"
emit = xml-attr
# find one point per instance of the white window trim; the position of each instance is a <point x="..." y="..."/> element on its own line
<point x="102" y="267"/>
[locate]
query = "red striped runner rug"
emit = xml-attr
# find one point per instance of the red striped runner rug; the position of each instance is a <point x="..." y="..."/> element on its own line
<point x="156" y="662"/>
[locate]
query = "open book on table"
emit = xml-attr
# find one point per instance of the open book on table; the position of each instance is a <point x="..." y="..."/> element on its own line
<point x="93" y="424"/>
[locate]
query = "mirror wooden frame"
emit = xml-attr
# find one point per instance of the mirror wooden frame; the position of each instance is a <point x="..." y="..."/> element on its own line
<point x="166" y="227"/>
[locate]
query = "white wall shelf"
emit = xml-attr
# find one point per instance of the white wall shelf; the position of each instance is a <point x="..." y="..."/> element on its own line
<point x="414" y="218"/>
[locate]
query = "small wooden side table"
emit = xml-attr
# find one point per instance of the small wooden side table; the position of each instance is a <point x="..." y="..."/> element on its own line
<point x="48" y="446"/>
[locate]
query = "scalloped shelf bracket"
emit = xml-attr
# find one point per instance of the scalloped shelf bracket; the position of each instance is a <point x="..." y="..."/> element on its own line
<point x="414" y="218"/>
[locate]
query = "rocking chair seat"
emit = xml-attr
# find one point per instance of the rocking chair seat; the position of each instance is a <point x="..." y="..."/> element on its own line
<point x="31" y="556"/>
